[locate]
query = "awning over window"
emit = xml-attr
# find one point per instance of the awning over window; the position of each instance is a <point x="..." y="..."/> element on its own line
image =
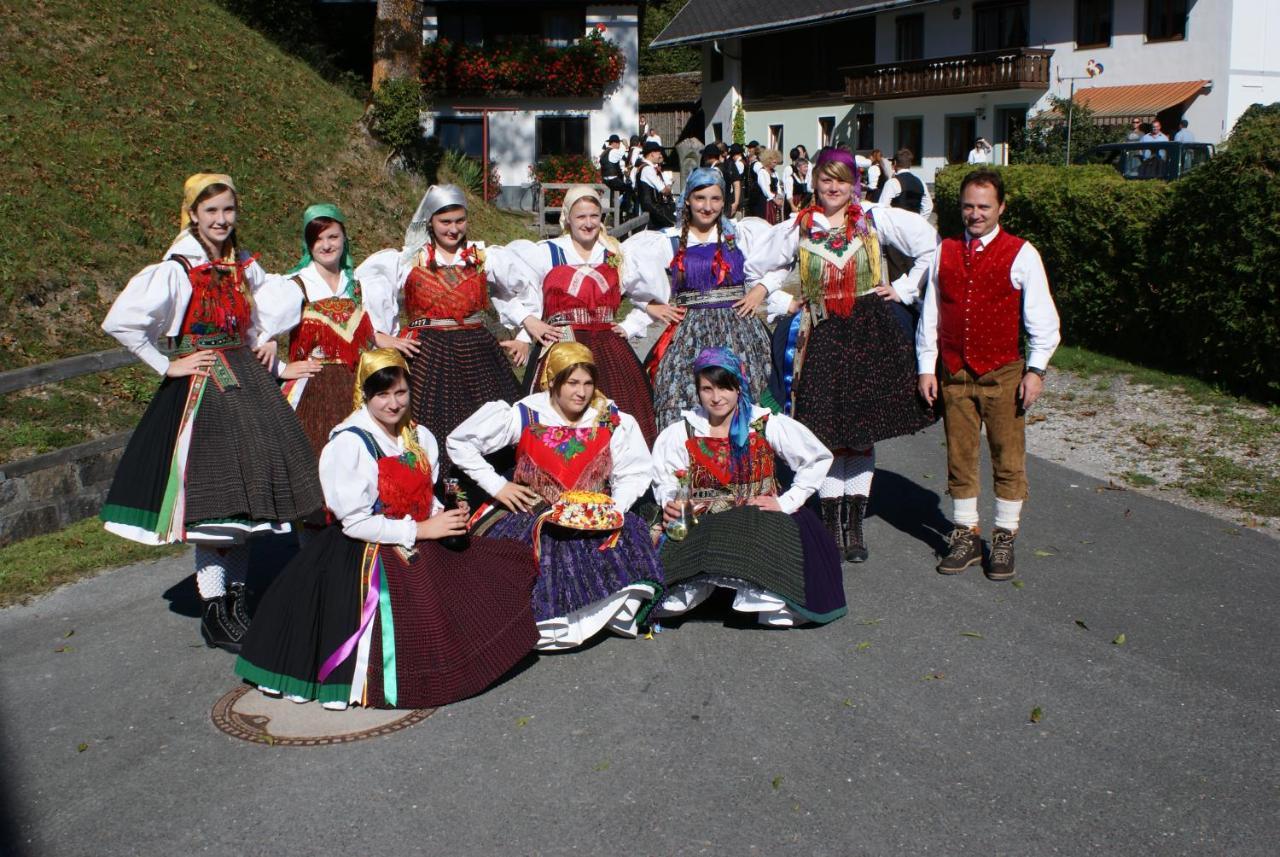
<point x="1139" y="101"/>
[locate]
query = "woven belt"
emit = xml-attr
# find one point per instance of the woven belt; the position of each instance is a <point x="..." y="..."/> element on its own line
<point x="471" y="322"/>
<point x="581" y="317"/>
<point x="189" y="343"/>
<point x="724" y="296"/>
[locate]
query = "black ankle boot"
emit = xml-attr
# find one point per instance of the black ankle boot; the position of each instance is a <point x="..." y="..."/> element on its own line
<point x="852" y="511"/>
<point x="831" y="519"/>
<point x="237" y="607"/>
<point x="218" y="628"/>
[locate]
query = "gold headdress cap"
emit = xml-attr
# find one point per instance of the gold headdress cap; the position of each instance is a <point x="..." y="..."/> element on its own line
<point x="371" y="361"/>
<point x="560" y="357"/>
<point x="191" y="190"/>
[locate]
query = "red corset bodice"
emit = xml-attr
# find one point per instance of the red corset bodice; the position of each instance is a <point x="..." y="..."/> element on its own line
<point x="582" y="294"/>
<point x="447" y="292"/>
<point x="333" y="330"/>
<point x="404" y="487"/>
<point x="710" y="476"/>
<point x="555" y="459"/>
<point x="219" y="302"/>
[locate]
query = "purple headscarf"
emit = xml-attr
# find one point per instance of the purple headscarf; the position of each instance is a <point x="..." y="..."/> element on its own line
<point x="844" y="156"/>
<point x="740" y="424"/>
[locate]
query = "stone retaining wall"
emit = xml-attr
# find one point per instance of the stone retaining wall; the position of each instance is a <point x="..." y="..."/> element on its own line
<point x="48" y="492"/>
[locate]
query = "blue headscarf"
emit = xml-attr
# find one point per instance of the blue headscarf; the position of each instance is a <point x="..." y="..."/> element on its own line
<point x="740" y="422"/>
<point x="700" y="178"/>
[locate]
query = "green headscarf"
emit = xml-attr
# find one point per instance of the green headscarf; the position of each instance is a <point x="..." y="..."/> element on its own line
<point x="327" y="209"/>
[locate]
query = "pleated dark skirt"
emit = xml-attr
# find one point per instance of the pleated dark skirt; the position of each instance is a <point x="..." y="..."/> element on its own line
<point x="673" y="387"/>
<point x="575" y="572"/>
<point x="326" y="401"/>
<point x="455" y="372"/>
<point x="459" y="621"/>
<point x="858" y="381"/>
<point x="249" y="460"/>
<point x="621" y="376"/>
<point x="792" y="556"/>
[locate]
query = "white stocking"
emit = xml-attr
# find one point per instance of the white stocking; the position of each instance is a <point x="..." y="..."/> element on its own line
<point x="858" y="470"/>
<point x="832" y="486"/>
<point x="211" y="574"/>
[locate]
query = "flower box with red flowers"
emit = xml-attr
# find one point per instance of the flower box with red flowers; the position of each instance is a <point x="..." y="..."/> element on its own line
<point x="585" y="68"/>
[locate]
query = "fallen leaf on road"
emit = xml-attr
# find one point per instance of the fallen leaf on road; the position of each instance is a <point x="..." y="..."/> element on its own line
<point x="522" y="722"/>
<point x="1032" y="419"/>
<point x="1081" y="623"/>
<point x="927" y="475"/>
<point x="63" y="649"/>
<point x="269" y="739"/>
<point x="870" y="621"/>
<point x="81" y="747"/>
<point x="1042" y="552"/>
<point x="863" y="646"/>
<point x="973" y="634"/>
<point x="1110" y="486"/>
<point x="1128" y="513"/>
<point x="934" y="677"/>
<point x="848" y="703"/>
<point x="1036" y="714"/>
<point x="602" y="766"/>
<point x="1018" y="584"/>
<point x="777" y="782"/>
<point x="1119" y="640"/>
<point x="70" y="633"/>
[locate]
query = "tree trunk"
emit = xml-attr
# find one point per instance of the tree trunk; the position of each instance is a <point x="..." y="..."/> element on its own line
<point x="397" y="39"/>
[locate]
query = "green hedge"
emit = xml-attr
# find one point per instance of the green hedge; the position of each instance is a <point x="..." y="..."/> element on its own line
<point x="1181" y="274"/>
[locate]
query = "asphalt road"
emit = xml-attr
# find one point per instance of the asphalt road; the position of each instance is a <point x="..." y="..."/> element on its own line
<point x="897" y="730"/>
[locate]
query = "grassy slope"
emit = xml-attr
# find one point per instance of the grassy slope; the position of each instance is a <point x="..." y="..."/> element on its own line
<point x="107" y="106"/>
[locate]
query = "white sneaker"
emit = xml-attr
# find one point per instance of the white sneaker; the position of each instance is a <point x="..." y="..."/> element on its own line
<point x="298" y="699"/>
<point x="334" y="705"/>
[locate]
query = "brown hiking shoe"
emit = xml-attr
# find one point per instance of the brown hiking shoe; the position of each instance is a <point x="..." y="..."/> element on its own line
<point x="1001" y="567"/>
<point x="964" y="548"/>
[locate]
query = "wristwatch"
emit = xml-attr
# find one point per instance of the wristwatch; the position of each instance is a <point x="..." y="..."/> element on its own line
<point x="1033" y="370"/>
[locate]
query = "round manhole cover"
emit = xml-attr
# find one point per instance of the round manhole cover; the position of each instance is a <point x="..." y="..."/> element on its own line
<point x="248" y="715"/>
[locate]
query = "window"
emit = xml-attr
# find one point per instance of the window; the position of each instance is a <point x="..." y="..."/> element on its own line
<point x="717" y="65"/>
<point x="508" y="22"/>
<point x="1166" y="20"/>
<point x="1093" y="23"/>
<point x="910" y="37"/>
<point x="1011" y="125"/>
<point x="717" y="131"/>
<point x="805" y="62"/>
<point x="961" y="134"/>
<point x="909" y="134"/>
<point x="1000" y="25"/>
<point x="826" y="129"/>
<point x="460" y="135"/>
<point x="562" y="135"/>
<point x="866" y="131"/>
<point x="775" y="137"/>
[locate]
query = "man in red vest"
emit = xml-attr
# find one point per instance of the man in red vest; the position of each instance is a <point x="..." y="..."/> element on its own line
<point x="985" y="287"/>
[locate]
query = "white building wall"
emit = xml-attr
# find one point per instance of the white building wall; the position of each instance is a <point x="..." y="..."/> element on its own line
<point x="719" y="97"/>
<point x="513" y="121"/>
<point x="1254" y="58"/>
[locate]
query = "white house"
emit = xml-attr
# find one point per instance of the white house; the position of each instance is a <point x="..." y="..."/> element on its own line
<point x="524" y="127"/>
<point x="933" y="75"/>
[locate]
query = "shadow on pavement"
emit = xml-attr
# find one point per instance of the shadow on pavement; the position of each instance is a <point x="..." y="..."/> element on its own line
<point x="11" y="844"/>
<point x="910" y="508"/>
<point x="268" y="555"/>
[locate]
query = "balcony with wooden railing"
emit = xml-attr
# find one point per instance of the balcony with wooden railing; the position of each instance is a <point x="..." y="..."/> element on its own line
<point x="1014" y="68"/>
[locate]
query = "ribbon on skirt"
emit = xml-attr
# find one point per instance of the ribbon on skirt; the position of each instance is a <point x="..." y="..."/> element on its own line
<point x="659" y="348"/>
<point x="789" y="362"/>
<point x="376" y="598"/>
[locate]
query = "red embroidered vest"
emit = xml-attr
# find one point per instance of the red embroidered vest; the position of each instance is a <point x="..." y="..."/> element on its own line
<point x="580" y="294"/>
<point x="710" y="474"/>
<point x="219" y="308"/>
<point x="447" y="291"/>
<point x="555" y="459"/>
<point x="332" y="330"/>
<point x="979" y="310"/>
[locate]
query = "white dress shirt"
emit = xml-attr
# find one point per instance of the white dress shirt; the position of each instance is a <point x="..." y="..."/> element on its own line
<point x="349" y="478"/>
<point x="154" y="302"/>
<point x="497" y="425"/>
<point x="382" y="277"/>
<point x="798" y="446"/>
<point x="1039" y="315"/>
<point x="893" y="187"/>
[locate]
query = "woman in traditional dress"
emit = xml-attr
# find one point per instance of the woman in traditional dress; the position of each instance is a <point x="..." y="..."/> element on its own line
<point x="577" y="292"/>
<point x="569" y="439"/>
<point x="694" y="277"/>
<point x="376" y="611"/>
<point x="218" y="455"/>
<point x="718" y="465"/>
<point x="846" y="365"/>
<point x="326" y="345"/>
<point x="442" y="281"/>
